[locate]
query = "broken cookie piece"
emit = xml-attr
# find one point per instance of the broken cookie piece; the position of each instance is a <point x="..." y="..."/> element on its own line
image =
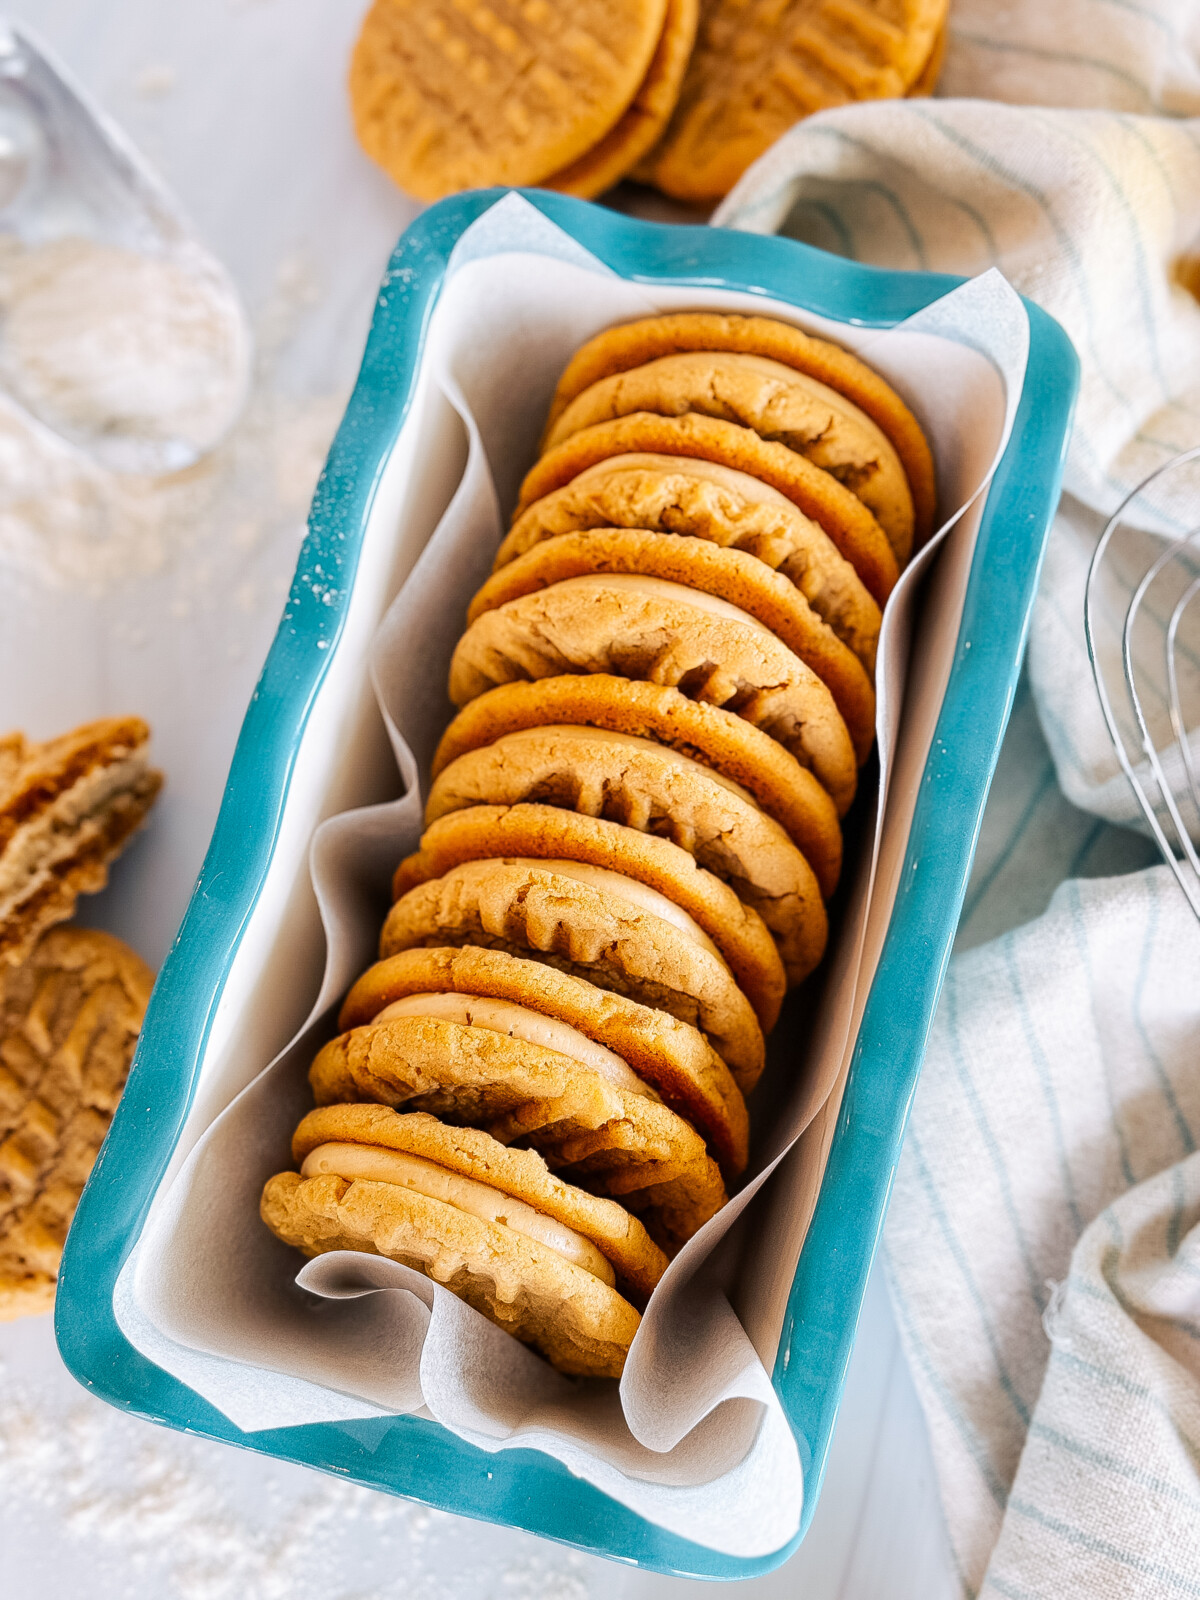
<point x="67" y="808"/>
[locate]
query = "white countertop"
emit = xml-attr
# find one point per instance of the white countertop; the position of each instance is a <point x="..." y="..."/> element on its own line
<point x="241" y="105"/>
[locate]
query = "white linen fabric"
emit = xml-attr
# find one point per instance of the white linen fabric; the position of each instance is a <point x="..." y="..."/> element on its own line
<point x="1043" y="1245"/>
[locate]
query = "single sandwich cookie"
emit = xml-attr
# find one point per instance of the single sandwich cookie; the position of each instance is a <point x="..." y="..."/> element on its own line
<point x="778" y="403"/>
<point x="640" y="785"/>
<point x="720" y="740"/>
<point x="817" y="493"/>
<point x="632" y="344"/>
<point x="665" y="1055"/>
<point x="633" y="1258"/>
<point x="69" y="1020"/>
<point x="550" y="833"/>
<point x="686" y="496"/>
<point x="609" y="940"/>
<point x="635" y="627"/>
<point x="731" y="575"/>
<point x="754" y="75"/>
<point x="492" y="1225"/>
<point x="609" y="1138"/>
<point x="607" y="162"/>
<point x="448" y="97"/>
<point x="67" y="807"/>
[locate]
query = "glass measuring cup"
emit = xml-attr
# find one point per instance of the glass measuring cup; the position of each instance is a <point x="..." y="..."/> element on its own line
<point x="119" y="332"/>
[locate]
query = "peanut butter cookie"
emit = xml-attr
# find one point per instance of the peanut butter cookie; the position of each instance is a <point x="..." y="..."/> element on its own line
<point x="778" y="403"/>
<point x="67" y="807"/>
<point x="549" y="833"/>
<point x="459" y="96"/>
<point x="729" y="746"/>
<point x="69" y="1020"/>
<point x="664" y="633"/>
<point x="670" y="1057"/>
<point x="730" y="575"/>
<point x="632" y="344"/>
<point x="608" y="939"/>
<point x="817" y="493"/>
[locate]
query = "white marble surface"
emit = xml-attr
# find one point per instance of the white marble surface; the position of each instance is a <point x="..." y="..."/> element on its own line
<point x="241" y="104"/>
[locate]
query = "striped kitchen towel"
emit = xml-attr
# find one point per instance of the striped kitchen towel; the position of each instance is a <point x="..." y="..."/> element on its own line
<point x="1096" y="216"/>
<point x="1043" y="1248"/>
<point x="1043" y="1244"/>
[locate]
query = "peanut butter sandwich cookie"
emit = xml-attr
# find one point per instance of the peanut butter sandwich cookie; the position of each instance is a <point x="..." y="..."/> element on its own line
<point x="683" y="495"/>
<point x="538" y="1257"/>
<point x="632" y="344"/>
<point x="817" y="493"/>
<point x="642" y="786"/>
<point x="757" y="71"/>
<point x="67" y="807"/>
<point x="607" y="162"/>
<point x="774" y="400"/>
<point x="69" y="1019"/>
<point x="614" y="1139"/>
<point x="731" y="575"/>
<point x="666" y="633"/>
<point x="750" y="762"/>
<point x="550" y="834"/>
<point x="598" y="929"/>
<point x="565" y="1013"/>
<point x="448" y="97"/>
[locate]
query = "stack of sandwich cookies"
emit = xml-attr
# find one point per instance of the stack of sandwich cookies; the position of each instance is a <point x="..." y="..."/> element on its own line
<point x="578" y="94"/>
<point x="665" y="695"/>
<point x="447" y="96"/>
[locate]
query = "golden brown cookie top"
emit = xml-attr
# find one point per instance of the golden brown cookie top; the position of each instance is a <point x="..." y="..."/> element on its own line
<point x="632" y="344"/>
<point x="730" y="575"/>
<point x="448" y="97"/>
<point x="684" y="495"/>
<point x="671" y="1056"/>
<point x="727" y="744"/>
<point x="778" y="403"/>
<point x="607" y="162"/>
<point x="817" y="493"/>
<point x="549" y="832"/>
<point x="645" y="788"/>
<point x="523" y="1174"/>
<point x="639" y="627"/>
<point x="528" y="910"/>
<point x="755" y="73"/>
<point x="69" y="1021"/>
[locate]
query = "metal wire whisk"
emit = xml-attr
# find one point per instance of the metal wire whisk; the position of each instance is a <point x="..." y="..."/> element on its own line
<point x="1155" y="677"/>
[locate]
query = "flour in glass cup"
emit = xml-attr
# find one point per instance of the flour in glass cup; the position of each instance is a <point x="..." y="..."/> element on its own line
<point x="140" y="359"/>
<point x="66" y="522"/>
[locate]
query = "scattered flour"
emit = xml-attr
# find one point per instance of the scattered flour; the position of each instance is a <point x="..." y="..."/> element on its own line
<point x="182" y="1518"/>
<point x="140" y="359"/>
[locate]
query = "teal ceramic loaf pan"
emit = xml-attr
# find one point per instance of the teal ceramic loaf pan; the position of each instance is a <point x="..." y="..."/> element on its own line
<point x="417" y="1458"/>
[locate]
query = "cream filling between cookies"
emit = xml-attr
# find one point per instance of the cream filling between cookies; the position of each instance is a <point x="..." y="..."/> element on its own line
<point x="619" y="887"/>
<point x="373" y="1164"/>
<point x="52" y="836"/>
<point x="664" y="589"/>
<point x="524" y="1023"/>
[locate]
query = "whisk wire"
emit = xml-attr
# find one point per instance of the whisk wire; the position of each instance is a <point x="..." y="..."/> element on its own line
<point x="1179" y="853"/>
